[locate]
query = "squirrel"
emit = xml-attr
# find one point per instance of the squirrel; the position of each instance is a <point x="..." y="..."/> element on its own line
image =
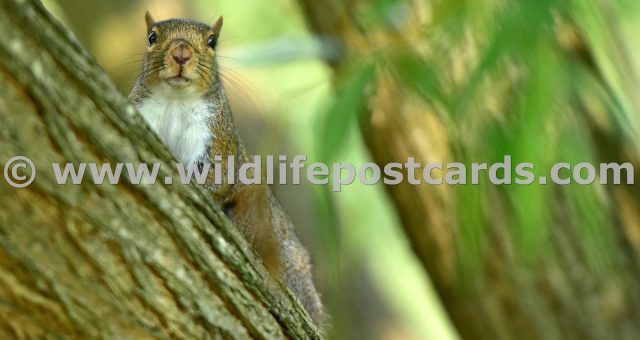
<point x="181" y="96"/>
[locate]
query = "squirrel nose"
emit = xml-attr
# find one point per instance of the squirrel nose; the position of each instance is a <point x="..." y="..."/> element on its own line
<point x="181" y="54"/>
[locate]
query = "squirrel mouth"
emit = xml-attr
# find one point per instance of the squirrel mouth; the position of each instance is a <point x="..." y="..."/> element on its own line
<point x="178" y="79"/>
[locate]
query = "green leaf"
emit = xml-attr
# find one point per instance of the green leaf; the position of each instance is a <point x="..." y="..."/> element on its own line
<point x="343" y="113"/>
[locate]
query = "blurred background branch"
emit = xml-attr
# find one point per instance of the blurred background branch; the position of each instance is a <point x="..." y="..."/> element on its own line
<point x="542" y="81"/>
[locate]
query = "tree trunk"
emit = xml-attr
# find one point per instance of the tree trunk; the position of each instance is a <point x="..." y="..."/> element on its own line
<point x="111" y="261"/>
<point x="565" y="292"/>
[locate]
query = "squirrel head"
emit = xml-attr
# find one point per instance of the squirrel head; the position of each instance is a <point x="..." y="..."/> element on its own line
<point x="181" y="54"/>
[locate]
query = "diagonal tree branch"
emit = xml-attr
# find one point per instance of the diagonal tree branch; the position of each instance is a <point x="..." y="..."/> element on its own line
<point x="111" y="261"/>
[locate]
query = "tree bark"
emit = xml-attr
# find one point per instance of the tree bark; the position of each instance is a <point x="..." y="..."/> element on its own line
<point x="562" y="295"/>
<point x="111" y="261"/>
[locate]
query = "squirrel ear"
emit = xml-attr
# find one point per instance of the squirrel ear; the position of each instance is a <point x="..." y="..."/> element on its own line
<point x="150" y="21"/>
<point x="217" y="27"/>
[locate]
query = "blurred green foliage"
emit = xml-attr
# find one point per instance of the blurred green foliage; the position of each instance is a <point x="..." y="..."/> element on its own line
<point x="540" y="116"/>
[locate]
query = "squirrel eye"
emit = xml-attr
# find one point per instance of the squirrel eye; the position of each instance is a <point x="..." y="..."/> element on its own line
<point x="153" y="38"/>
<point x="212" y="41"/>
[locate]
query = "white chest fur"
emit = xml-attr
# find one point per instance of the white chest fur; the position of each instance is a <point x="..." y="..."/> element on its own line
<point x="182" y="122"/>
